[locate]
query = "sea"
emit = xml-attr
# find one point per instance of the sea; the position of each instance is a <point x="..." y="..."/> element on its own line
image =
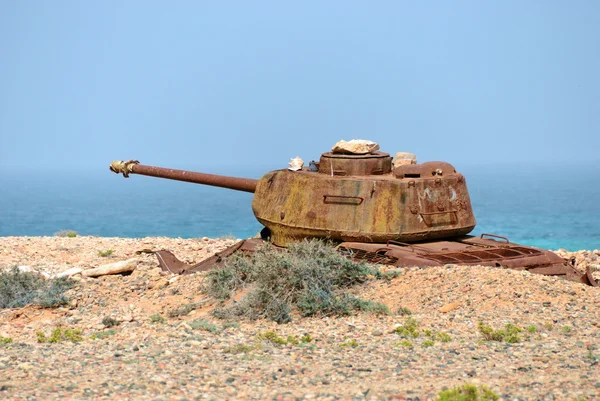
<point x="547" y="205"/>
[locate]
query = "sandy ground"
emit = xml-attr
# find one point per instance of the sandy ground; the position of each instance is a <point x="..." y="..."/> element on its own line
<point x="196" y="356"/>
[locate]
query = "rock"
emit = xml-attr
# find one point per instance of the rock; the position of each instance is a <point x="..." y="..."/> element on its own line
<point x="25" y="366"/>
<point x="112" y="268"/>
<point x="377" y="332"/>
<point x="449" y="307"/>
<point x="355" y="146"/>
<point x="296" y="164"/>
<point x="162" y="283"/>
<point x="186" y="326"/>
<point x="402" y="158"/>
<point x="25" y="269"/>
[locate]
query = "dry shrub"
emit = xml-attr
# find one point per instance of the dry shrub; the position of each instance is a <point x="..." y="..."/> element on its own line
<point x="18" y="289"/>
<point x="310" y="276"/>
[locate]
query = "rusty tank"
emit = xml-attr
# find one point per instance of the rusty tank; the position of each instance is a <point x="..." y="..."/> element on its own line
<point x="408" y="215"/>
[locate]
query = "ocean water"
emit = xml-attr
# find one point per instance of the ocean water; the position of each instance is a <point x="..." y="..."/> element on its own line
<point x="549" y="206"/>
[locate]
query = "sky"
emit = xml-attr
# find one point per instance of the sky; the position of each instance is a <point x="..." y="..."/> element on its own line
<point x="209" y="85"/>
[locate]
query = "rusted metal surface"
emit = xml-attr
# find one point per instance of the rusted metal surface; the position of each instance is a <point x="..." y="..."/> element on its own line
<point x="239" y="184"/>
<point x="367" y="208"/>
<point x="378" y="163"/>
<point x="424" y="170"/>
<point x="470" y="251"/>
<point x="467" y="250"/>
<point x="169" y="262"/>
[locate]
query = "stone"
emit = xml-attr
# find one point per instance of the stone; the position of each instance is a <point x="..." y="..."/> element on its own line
<point x="402" y="158"/>
<point x="449" y="307"/>
<point x="296" y="164"/>
<point x="377" y="332"/>
<point x="355" y="147"/>
<point x="186" y="326"/>
<point x="162" y="283"/>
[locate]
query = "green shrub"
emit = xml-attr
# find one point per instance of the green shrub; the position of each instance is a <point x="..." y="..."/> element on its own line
<point x="183" y="310"/>
<point x="306" y="338"/>
<point x="444" y="337"/>
<point x="404" y="343"/>
<point x="59" y="335"/>
<point x="110" y="322"/>
<point x="18" y="289"/>
<point x="531" y="329"/>
<point x="204" y="325"/>
<point x="66" y="233"/>
<point x="408" y="329"/>
<point x="230" y="325"/>
<point x="375" y="308"/>
<point x="310" y="276"/>
<point x="403" y="311"/>
<point x="468" y="392"/>
<point x="271" y="337"/>
<point x="103" y="334"/>
<point x="106" y="253"/>
<point x="5" y="340"/>
<point x="239" y="349"/>
<point x="566" y="330"/>
<point x="292" y="340"/>
<point x="509" y="334"/>
<point x="157" y="318"/>
<point x="350" y="343"/>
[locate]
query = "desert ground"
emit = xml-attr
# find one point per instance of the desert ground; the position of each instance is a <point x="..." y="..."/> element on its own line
<point x="138" y="341"/>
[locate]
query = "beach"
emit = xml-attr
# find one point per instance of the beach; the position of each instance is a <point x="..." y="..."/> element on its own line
<point x="135" y="345"/>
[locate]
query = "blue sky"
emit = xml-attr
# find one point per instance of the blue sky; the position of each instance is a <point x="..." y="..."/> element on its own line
<point x="207" y="84"/>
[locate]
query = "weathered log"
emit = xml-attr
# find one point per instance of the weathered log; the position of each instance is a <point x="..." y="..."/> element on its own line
<point x="124" y="266"/>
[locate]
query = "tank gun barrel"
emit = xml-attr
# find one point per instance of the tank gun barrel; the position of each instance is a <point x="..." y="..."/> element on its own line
<point x="134" y="167"/>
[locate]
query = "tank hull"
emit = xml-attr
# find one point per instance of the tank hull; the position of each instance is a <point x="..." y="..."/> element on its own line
<point x="372" y="208"/>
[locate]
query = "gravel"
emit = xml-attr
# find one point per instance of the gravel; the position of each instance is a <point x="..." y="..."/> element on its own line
<point x="357" y="357"/>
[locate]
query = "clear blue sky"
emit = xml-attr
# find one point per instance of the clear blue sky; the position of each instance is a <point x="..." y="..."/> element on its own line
<point x="204" y="84"/>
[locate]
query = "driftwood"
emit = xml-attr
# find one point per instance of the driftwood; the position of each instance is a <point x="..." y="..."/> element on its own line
<point x="124" y="266"/>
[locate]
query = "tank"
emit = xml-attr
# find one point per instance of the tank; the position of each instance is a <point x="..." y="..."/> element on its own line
<point x="344" y="197"/>
<point x="408" y="215"/>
